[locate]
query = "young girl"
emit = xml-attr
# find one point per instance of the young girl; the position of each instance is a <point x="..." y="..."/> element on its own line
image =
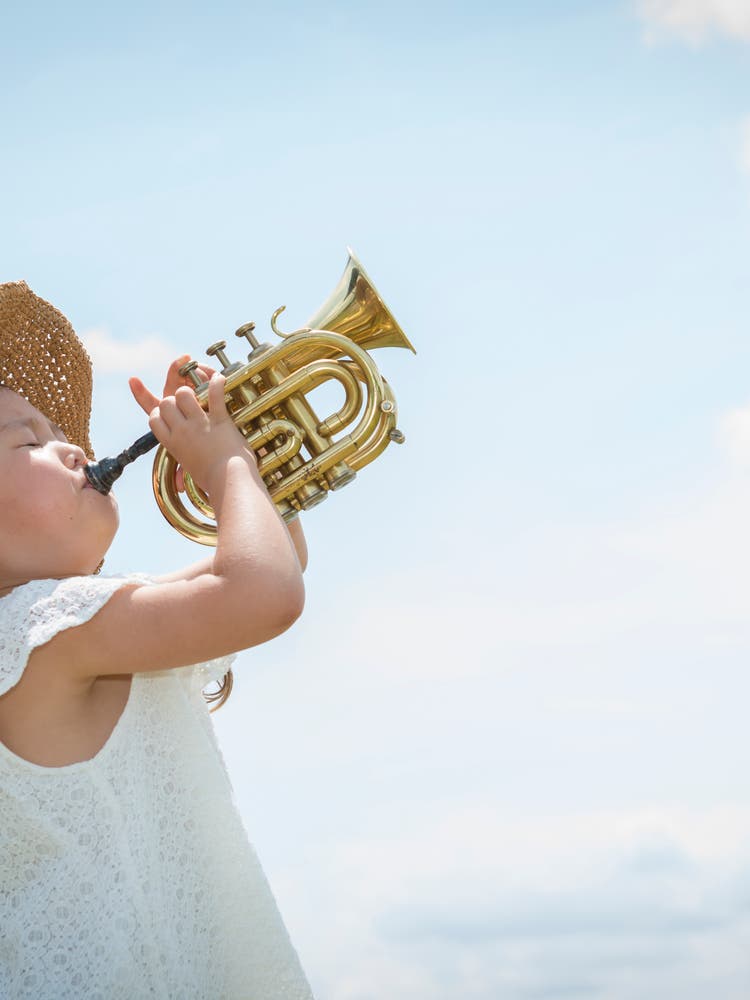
<point x="125" y="870"/>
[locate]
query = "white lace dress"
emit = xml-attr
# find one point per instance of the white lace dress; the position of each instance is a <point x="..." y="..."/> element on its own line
<point x="130" y="875"/>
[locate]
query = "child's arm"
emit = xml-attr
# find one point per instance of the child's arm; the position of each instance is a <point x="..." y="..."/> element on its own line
<point x="206" y="565"/>
<point x="250" y="592"/>
<point x="299" y="541"/>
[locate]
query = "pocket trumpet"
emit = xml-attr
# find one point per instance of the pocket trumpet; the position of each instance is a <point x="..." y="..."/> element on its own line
<point x="300" y="460"/>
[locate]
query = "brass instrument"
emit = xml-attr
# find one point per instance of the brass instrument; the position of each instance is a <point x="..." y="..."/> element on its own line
<point x="298" y="457"/>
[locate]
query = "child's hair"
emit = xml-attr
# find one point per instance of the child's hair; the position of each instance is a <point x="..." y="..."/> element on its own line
<point x="222" y="695"/>
<point x="42" y="359"/>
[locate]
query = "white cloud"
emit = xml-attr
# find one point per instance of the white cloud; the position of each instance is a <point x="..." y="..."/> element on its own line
<point x="694" y="21"/>
<point x="482" y="904"/>
<point x="676" y="566"/>
<point x="734" y="425"/>
<point x="447" y="752"/>
<point x="111" y="355"/>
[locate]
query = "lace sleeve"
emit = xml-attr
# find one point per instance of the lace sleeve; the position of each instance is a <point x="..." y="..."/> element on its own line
<point x="200" y="675"/>
<point x="30" y="615"/>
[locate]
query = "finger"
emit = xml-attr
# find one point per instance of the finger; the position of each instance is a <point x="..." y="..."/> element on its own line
<point x="174" y="379"/>
<point x="143" y="396"/>
<point x="158" y="425"/>
<point x="187" y="402"/>
<point x="168" y="413"/>
<point x="217" y="406"/>
<point x="205" y="372"/>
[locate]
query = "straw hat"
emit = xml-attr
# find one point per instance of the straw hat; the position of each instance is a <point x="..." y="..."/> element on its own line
<point x="42" y="359"/>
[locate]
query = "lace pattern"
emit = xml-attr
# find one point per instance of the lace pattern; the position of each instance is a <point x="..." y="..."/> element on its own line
<point x="32" y="614"/>
<point x="130" y="876"/>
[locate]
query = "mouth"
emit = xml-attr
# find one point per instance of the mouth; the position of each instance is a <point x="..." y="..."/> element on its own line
<point x="110" y="497"/>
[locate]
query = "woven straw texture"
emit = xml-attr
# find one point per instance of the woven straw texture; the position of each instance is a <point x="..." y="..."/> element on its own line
<point x="42" y="359"/>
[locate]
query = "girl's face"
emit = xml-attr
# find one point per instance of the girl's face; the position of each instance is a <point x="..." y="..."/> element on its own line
<point x="52" y="523"/>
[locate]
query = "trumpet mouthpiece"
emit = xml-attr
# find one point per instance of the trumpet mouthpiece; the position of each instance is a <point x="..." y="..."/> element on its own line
<point x="103" y="475"/>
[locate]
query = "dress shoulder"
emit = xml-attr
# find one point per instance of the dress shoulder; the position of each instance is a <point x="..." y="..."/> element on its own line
<point x="30" y="615"/>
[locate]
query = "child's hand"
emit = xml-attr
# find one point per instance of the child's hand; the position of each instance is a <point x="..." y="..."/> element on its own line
<point x="174" y="380"/>
<point x="200" y="441"/>
<point x="171" y="384"/>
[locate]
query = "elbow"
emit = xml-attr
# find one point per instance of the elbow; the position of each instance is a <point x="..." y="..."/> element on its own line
<point x="263" y="607"/>
<point x="298" y="540"/>
<point x="288" y="607"/>
<point x="295" y="601"/>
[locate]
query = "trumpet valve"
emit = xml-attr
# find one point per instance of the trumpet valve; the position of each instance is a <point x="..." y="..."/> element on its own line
<point x="340" y="475"/>
<point x="256" y="347"/>
<point x="189" y="370"/>
<point x="287" y="510"/>
<point x="217" y="350"/>
<point x="310" y="495"/>
<point x="246" y="330"/>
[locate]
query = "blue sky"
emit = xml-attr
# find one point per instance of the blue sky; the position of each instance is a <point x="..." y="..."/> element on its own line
<point x="500" y="756"/>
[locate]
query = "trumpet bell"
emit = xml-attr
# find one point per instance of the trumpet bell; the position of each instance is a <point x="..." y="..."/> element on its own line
<point x="355" y="310"/>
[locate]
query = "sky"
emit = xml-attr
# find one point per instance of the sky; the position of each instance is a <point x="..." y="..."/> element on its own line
<point x="502" y="755"/>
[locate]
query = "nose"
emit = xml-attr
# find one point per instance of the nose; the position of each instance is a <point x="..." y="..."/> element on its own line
<point x="74" y="456"/>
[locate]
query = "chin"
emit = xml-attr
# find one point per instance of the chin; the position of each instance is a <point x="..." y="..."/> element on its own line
<point x="94" y="559"/>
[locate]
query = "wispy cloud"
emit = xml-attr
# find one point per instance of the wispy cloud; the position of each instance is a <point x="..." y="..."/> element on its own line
<point x="601" y="660"/>
<point x="670" y="567"/>
<point x="482" y="904"/>
<point x="694" y="21"/>
<point x="111" y="355"/>
<point x="734" y="425"/>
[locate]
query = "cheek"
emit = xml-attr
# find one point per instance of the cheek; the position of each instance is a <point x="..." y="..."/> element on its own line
<point x="40" y="513"/>
<point x="107" y="519"/>
<point x="43" y="498"/>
